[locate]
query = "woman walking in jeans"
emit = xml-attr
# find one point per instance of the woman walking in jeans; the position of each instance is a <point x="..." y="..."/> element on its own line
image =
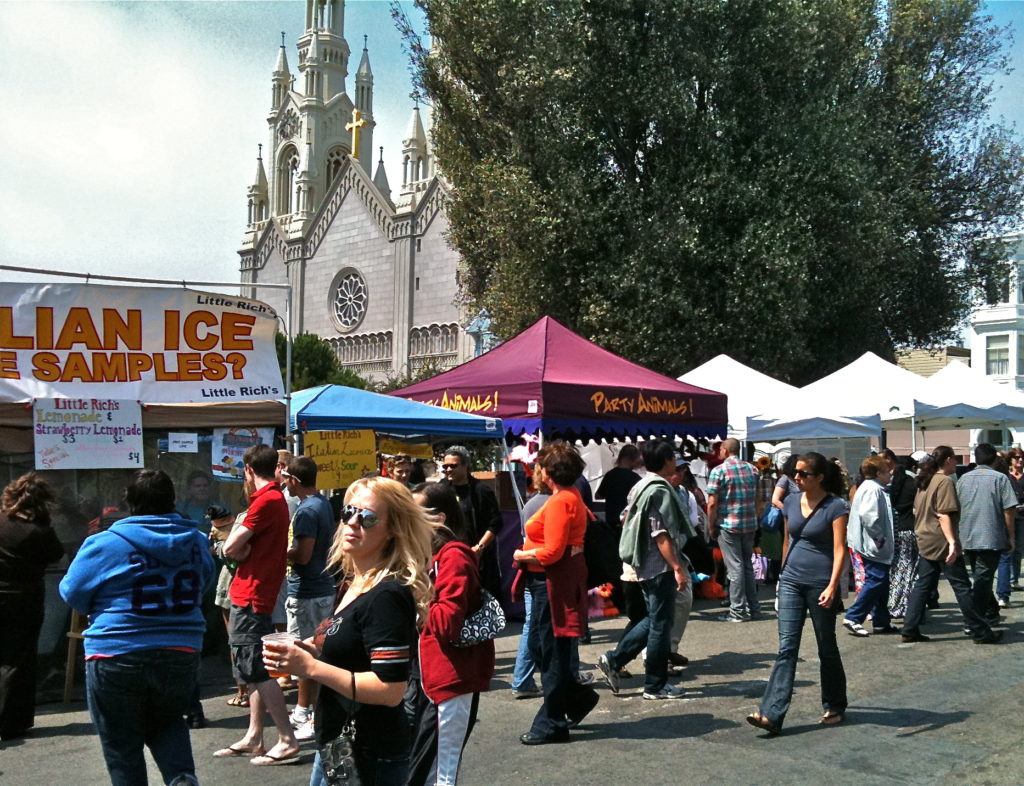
<point x="813" y="553"/>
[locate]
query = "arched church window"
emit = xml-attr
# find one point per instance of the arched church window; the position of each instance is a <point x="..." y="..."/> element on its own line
<point x="334" y="161"/>
<point x="287" y="171"/>
<point x="348" y="301"/>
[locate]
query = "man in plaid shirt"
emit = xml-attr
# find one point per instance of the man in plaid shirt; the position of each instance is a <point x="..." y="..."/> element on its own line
<point x="733" y="509"/>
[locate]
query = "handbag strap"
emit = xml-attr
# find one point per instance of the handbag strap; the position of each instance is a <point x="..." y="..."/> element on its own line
<point x="795" y="539"/>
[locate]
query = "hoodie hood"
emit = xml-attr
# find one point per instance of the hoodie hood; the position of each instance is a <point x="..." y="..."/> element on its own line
<point x="169" y="539"/>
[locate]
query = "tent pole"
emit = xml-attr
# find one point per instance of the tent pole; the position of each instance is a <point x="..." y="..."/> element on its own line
<point x="913" y="433"/>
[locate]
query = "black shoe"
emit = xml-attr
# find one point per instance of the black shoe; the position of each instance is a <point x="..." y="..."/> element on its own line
<point x="196" y="720"/>
<point x="575" y="719"/>
<point x="886" y="631"/>
<point x="992" y="637"/>
<point x="915" y="637"/>
<point x="539" y="739"/>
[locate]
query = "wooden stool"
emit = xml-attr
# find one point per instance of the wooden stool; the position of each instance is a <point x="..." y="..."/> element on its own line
<point x="78" y="622"/>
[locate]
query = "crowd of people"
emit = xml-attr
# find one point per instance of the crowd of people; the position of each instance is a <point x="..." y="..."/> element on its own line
<point x="389" y="619"/>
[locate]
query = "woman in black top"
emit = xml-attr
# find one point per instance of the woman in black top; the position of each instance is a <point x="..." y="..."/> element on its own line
<point x="27" y="545"/>
<point x="361" y="655"/>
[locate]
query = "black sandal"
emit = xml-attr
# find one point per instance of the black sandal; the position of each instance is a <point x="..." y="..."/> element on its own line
<point x="761" y="722"/>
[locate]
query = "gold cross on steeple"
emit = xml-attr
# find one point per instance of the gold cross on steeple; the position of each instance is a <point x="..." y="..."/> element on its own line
<point x="358" y="122"/>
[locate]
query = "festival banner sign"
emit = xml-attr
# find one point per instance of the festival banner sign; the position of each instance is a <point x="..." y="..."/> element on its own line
<point x="73" y="433"/>
<point x="341" y="456"/>
<point x="156" y="345"/>
<point x="395" y="447"/>
<point x="228" y="448"/>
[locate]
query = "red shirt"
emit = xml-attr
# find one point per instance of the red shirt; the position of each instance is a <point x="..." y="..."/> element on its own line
<point x="259" y="577"/>
<point x="561" y="523"/>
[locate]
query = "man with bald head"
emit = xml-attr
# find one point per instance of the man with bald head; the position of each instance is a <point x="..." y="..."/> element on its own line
<point x="732" y="519"/>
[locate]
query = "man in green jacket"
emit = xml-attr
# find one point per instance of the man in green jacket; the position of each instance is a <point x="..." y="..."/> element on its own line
<point x="651" y="538"/>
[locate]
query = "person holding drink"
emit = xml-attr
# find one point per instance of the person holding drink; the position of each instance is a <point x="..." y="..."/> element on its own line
<point x="361" y="654"/>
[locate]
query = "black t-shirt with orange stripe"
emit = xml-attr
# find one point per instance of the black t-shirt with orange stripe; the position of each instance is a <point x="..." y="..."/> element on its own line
<point x="375" y="632"/>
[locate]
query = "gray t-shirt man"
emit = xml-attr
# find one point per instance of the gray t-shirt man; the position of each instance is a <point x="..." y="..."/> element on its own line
<point x="313" y="519"/>
<point x="984" y="494"/>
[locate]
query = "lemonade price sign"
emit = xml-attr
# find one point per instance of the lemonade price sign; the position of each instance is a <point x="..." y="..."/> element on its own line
<point x="341" y="456"/>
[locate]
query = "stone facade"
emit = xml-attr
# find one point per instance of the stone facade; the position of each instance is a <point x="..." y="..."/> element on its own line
<point x="373" y="276"/>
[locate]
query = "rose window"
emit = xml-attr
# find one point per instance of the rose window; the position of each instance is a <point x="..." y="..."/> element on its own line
<point x="349" y="300"/>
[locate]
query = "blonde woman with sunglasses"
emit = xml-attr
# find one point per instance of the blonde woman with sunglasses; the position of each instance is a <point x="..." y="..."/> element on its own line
<point x="362" y="652"/>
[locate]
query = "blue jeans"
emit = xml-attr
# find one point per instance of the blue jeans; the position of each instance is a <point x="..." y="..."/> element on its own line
<point x="1009" y="564"/>
<point x="378" y="772"/>
<point x="653" y="631"/>
<point x="873" y="597"/>
<point x="796" y="601"/>
<point x="138" y="700"/>
<point x="522" y="674"/>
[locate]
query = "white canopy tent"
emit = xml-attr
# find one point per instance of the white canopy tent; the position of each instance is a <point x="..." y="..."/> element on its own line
<point x="749" y="391"/>
<point x="957" y="396"/>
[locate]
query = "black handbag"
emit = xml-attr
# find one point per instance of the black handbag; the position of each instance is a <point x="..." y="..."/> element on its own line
<point x="338" y="756"/>
<point x="484" y="624"/>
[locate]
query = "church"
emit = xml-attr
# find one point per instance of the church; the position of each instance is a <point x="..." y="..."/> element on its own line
<point x="370" y="272"/>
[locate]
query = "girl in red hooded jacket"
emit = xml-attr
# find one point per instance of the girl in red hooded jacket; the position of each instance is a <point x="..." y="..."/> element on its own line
<point x="444" y="704"/>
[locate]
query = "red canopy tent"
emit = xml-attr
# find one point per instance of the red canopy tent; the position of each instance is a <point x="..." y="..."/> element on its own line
<point x="551" y="380"/>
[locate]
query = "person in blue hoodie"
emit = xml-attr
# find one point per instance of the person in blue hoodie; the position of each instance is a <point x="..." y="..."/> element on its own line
<point x="141" y="583"/>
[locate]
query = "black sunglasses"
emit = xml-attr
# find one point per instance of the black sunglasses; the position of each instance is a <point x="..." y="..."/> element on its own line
<point x="367" y="518"/>
<point x="803" y="473"/>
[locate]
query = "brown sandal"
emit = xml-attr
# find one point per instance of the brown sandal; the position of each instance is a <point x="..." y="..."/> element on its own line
<point x="761" y="722"/>
<point x="832" y="718"/>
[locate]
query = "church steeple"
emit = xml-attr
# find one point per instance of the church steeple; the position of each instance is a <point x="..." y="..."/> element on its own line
<point x="380" y="178"/>
<point x="282" y="78"/>
<point x="364" y="103"/>
<point x="414" y="151"/>
<point x="325" y="20"/>
<point x="314" y="88"/>
<point x="259" y="192"/>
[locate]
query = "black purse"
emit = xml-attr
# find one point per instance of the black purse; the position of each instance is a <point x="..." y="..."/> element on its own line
<point x="338" y="756"/>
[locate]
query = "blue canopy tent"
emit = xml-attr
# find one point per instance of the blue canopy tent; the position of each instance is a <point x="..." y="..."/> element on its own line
<point x="340" y="408"/>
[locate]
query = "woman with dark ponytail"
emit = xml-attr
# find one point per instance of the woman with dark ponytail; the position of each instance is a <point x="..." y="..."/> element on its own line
<point x="814" y="552"/>
<point x="936" y="526"/>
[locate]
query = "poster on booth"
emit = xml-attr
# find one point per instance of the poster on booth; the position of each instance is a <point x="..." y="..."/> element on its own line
<point x="228" y="447"/>
<point x="157" y="345"/>
<point x="396" y="447"/>
<point x="341" y="456"/>
<point x="78" y="433"/>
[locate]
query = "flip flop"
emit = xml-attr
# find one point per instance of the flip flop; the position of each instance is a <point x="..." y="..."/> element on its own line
<point x="832" y="718"/>
<point x="231" y="752"/>
<point x="238" y="701"/>
<point x="761" y="722"/>
<point x="274" y="761"/>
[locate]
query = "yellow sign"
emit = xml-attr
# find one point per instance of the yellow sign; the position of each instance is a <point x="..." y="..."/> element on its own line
<point x="341" y="456"/>
<point x="395" y="447"/>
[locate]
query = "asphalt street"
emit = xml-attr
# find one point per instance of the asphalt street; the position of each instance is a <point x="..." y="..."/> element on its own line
<point x="943" y="712"/>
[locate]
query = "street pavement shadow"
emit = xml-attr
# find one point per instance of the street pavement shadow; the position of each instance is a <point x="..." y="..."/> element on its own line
<point x="912" y="721"/>
<point x="729" y="662"/>
<point x="656" y="727"/>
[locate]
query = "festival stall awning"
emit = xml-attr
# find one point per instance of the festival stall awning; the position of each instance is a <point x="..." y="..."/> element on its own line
<point x="957" y="396"/>
<point x="749" y="391"/>
<point x="552" y="380"/>
<point x="340" y="408"/>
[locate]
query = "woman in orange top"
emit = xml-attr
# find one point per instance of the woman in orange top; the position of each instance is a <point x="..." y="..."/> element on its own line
<point x="552" y="566"/>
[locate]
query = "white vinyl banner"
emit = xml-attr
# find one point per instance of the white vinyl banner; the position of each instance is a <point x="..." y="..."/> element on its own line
<point x="156" y="345"/>
<point x="72" y="433"/>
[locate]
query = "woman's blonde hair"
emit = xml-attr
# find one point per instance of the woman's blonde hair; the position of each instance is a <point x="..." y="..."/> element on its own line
<point x="406" y="555"/>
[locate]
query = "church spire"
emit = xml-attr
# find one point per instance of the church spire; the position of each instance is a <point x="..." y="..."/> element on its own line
<point x="414" y="150"/>
<point x="282" y="78"/>
<point x="380" y="177"/>
<point x="325" y="21"/>
<point x="364" y="103"/>
<point x="258" y="192"/>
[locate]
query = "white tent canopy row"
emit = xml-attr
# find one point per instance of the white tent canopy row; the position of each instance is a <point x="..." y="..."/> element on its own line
<point x="858" y="400"/>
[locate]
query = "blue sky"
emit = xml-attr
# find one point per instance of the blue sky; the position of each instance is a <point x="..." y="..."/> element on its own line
<point x="129" y="130"/>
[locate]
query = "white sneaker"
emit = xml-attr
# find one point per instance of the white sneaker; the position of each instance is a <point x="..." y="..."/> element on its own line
<point x="668" y="692"/>
<point x="300" y="715"/>
<point x="304" y="732"/>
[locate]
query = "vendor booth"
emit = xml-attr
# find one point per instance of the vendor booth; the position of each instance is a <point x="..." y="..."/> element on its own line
<point x="551" y="381"/>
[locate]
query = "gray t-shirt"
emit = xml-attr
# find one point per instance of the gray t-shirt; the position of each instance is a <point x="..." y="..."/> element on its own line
<point x="984" y="494"/>
<point x="811" y="543"/>
<point x="313" y="519"/>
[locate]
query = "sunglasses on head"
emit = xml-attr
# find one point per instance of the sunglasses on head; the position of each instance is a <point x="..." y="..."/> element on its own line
<point x="803" y="473"/>
<point x="367" y="518"/>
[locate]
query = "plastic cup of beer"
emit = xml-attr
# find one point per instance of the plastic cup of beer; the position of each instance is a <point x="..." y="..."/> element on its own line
<point x="277" y="638"/>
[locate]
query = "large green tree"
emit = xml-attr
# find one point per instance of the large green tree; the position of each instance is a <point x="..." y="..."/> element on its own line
<point x="792" y="182"/>
<point x="314" y="363"/>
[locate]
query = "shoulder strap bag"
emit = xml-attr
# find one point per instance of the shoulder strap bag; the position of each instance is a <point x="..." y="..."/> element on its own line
<point x="337" y="756"/>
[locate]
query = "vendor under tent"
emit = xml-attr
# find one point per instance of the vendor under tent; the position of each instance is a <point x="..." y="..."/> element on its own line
<point x="341" y="408"/>
<point x="552" y="381"/>
<point x="750" y="392"/>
